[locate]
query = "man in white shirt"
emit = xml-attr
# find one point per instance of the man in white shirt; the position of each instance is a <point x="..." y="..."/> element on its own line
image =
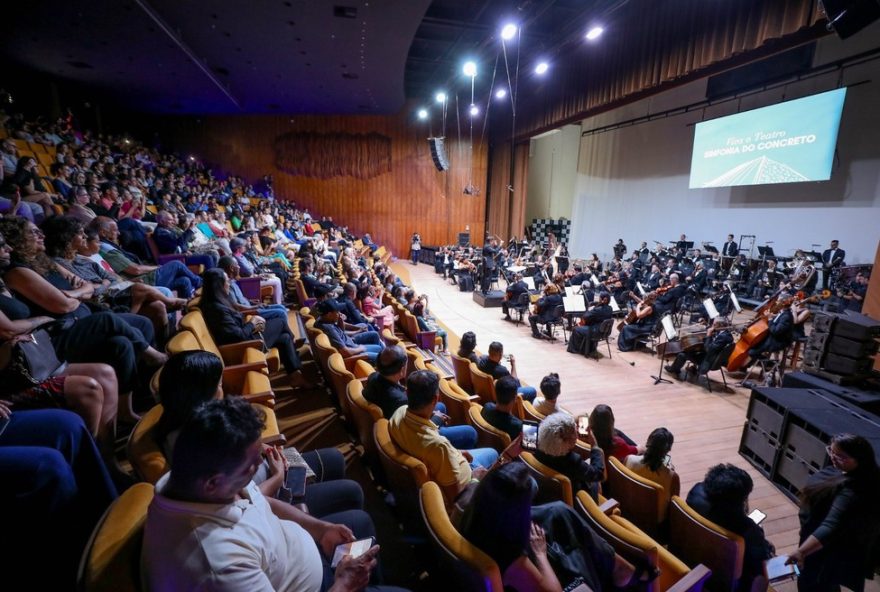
<point x="209" y="527"/>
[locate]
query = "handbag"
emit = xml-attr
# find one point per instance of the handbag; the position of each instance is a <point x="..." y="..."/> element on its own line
<point x="32" y="361"/>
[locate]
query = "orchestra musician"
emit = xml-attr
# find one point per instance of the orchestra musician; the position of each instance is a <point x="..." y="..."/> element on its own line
<point x="544" y="310"/>
<point x="619" y="249"/>
<point x="579" y="276"/>
<point x="652" y="281"/>
<point x="832" y="258"/>
<point x="512" y="294"/>
<point x="700" y="277"/>
<point x="717" y="338"/>
<point x="643" y="250"/>
<point x="767" y="281"/>
<point x="580" y="341"/>
<point x="681" y="246"/>
<point x="853" y="295"/>
<point x="666" y="302"/>
<point x="645" y="319"/>
<point x="780" y="335"/>
<point x="730" y="248"/>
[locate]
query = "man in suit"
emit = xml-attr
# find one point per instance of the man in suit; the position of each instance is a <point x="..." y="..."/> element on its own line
<point x="580" y="341"/>
<point x="511" y="296"/>
<point x="666" y="301"/>
<point x="730" y="248"/>
<point x="490" y="251"/>
<point x="717" y="338"/>
<point x="831" y="258"/>
<point x="545" y="309"/>
<point x="778" y="338"/>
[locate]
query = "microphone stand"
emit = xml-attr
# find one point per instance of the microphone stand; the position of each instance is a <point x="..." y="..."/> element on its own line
<point x="659" y="378"/>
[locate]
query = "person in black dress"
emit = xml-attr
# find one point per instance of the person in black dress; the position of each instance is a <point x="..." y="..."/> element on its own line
<point x="580" y="341"/>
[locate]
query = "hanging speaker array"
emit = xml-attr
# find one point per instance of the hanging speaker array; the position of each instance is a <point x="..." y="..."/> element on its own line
<point x="438" y="153"/>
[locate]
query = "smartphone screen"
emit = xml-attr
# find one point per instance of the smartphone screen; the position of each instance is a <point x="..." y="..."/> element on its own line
<point x="296" y="481"/>
<point x="530" y="435"/>
<point x="583" y="425"/>
<point x="355" y="549"/>
<point x="757" y="516"/>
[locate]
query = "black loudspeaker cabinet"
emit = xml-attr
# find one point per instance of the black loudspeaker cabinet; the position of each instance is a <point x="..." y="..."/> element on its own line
<point x="869" y="400"/>
<point x="823" y="323"/>
<point x="852" y="347"/>
<point x="856" y="326"/>
<point x="787" y="430"/>
<point x="438" y="153"/>
<point x="848" y="17"/>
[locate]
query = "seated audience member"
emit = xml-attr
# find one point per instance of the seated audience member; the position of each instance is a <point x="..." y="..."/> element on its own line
<point x="173" y="275"/>
<point x="310" y="280"/>
<point x="723" y="498"/>
<point x="466" y="347"/>
<point x="171" y="240"/>
<point x="53" y="482"/>
<point x="499" y="414"/>
<point x="345" y="303"/>
<point x="210" y="528"/>
<point x="550" y="388"/>
<point x="347" y="343"/>
<point x="228" y="264"/>
<point x="411" y="428"/>
<point x="548" y="547"/>
<point x="384" y="389"/>
<point x="419" y="308"/>
<point x="491" y="364"/>
<point x="194" y="377"/>
<point x="227" y="325"/>
<point x="248" y="268"/>
<point x="656" y="466"/>
<point x="612" y="441"/>
<point x="557" y="440"/>
<point x="381" y="316"/>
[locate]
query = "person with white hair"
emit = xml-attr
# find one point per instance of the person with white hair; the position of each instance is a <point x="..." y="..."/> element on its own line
<point x="557" y="440"/>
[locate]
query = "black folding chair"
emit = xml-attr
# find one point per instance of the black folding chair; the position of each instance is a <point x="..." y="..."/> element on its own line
<point x="603" y="333"/>
<point x="521" y="307"/>
<point x="557" y="320"/>
<point x="716" y="362"/>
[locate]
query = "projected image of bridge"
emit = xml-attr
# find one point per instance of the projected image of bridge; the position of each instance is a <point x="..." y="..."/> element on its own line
<point x="759" y="171"/>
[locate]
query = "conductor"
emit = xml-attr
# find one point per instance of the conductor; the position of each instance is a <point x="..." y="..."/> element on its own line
<point x="490" y="253"/>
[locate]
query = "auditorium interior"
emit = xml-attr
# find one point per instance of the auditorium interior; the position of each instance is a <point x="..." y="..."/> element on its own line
<point x="666" y="208"/>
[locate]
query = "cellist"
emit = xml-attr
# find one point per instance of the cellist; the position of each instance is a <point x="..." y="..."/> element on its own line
<point x="779" y="334"/>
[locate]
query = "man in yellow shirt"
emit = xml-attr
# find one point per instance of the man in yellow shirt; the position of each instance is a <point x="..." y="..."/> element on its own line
<point x="411" y="428"/>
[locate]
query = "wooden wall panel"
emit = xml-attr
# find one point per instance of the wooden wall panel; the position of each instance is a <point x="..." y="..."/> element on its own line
<point x="413" y="196"/>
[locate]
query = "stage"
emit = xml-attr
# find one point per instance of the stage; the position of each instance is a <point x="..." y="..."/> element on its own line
<point x="491" y="299"/>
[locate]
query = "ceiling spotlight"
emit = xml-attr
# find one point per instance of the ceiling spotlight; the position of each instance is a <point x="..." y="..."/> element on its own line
<point x="192" y="158"/>
<point x="474" y="110"/>
<point x="509" y="31"/>
<point x="594" y="33"/>
<point x="500" y="93"/>
<point x="423" y="114"/>
<point x="470" y="69"/>
<point x="441" y="97"/>
<point x="541" y="67"/>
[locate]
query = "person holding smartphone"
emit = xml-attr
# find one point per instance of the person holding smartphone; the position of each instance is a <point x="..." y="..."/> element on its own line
<point x="210" y="528"/>
<point x="557" y="440"/>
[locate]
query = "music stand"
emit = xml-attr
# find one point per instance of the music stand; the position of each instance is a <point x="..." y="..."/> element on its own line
<point x="670" y="332"/>
<point x="710" y="249"/>
<point x="766" y="251"/>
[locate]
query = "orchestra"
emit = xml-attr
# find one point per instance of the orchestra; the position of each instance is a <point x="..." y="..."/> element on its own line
<point x="674" y="278"/>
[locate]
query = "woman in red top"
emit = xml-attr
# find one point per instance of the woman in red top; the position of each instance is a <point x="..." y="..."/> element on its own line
<point x="613" y="442"/>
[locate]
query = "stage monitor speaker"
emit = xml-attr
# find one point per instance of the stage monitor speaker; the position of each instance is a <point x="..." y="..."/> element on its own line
<point x="438" y="153"/>
<point x="848" y="17"/>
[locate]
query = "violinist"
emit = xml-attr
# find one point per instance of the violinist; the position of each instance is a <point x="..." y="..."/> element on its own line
<point x="544" y="309"/>
<point x="666" y="301"/>
<point x="652" y="280"/>
<point x="700" y="277"/>
<point x="717" y="338"/>
<point x="579" y="276"/>
<point x="512" y="294"/>
<point x="581" y="341"/>
<point x="643" y="324"/>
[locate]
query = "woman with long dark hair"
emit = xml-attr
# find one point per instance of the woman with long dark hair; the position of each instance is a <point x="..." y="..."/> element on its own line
<point x="227" y="325"/>
<point x="612" y="441"/>
<point x="656" y="465"/>
<point x="840" y="519"/>
<point x="543" y="548"/>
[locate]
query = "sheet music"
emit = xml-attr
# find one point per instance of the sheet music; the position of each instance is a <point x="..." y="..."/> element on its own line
<point x="614" y="306"/>
<point x="595" y="280"/>
<point x="572" y="291"/>
<point x="709" y="305"/>
<point x="574" y="304"/>
<point x="668" y="327"/>
<point x="530" y="282"/>
<point x="641" y="288"/>
<point x="735" y="302"/>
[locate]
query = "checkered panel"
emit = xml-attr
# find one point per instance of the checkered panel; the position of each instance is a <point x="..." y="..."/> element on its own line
<point x="541" y="226"/>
